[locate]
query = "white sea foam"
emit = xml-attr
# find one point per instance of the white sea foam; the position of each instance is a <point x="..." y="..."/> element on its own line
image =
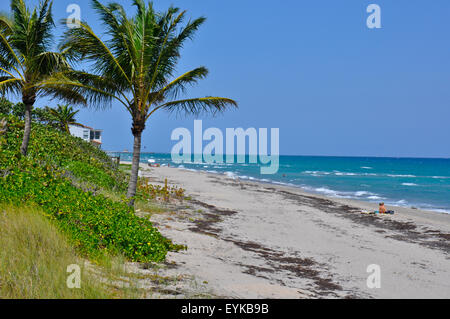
<point x="399" y="175"/>
<point x="363" y="193"/>
<point x="325" y="191"/>
<point x="409" y="184"/>
<point x="333" y="193"/>
<point x="231" y="175"/>
<point x="316" y="173"/>
<point x="279" y="183"/>
<point x="337" y="173"/>
<point x="341" y="194"/>
<point x="344" y="174"/>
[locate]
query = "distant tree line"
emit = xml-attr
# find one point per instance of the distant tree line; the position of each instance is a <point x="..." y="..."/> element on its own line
<point x="60" y="117"/>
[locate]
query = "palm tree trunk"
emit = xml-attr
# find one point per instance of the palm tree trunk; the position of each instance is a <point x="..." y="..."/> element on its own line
<point x="27" y="130"/>
<point x="134" y="167"/>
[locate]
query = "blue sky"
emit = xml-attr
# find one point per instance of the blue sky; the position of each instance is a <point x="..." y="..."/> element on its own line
<point x="312" y="69"/>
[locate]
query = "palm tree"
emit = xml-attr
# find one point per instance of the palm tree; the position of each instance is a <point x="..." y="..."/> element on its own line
<point x="135" y="66"/>
<point x="25" y="60"/>
<point x="64" y="115"/>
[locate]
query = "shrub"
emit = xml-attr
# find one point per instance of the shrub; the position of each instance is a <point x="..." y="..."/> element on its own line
<point x="94" y="223"/>
<point x="148" y="191"/>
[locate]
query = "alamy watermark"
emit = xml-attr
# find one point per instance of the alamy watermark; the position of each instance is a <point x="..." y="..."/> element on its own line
<point x="74" y="279"/>
<point x="74" y="18"/>
<point x="374" y="279"/>
<point x="374" y="19"/>
<point x="214" y="151"/>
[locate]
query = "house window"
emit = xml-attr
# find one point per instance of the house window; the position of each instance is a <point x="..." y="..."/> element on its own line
<point x="97" y="135"/>
<point x="86" y="135"/>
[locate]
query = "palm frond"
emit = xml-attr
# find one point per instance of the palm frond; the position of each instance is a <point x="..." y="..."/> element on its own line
<point x="48" y="62"/>
<point x="179" y="85"/>
<point x="196" y="106"/>
<point x="63" y="93"/>
<point x="103" y="83"/>
<point x="95" y="96"/>
<point x="83" y="44"/>
<point x="170" y="51"/>
<point x="10" y="85"/>
<point x="31" y="33"/>
<point x="20" y="15"/>
<point x="115" y="19"/>
<point x="9" y="56"/>
<point x="6" y="24"/>
<point x="44" y="24"/>
<point x="136" y="62"/>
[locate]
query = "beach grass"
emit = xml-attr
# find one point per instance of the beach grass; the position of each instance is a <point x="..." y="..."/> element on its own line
<point x="34" y="259"/>
<point x="35" y="256"/>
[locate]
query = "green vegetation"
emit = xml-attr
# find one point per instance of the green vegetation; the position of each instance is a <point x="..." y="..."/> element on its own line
<point x="85" y="174"/>
<point x="148" y="191"/>
<point x="6" y="106"/>
<point x="41" y="115"/>
<point x="27" y="64"/>
<point x="64" y="115"/>
<point x="47" y="172"/>
<point x="34" y="259"/>
<point x="58" y="175"/>
<point x="136" y="67"/>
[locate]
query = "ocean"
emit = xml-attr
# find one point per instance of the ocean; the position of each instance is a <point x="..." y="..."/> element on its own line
<point x="410" y="182"/>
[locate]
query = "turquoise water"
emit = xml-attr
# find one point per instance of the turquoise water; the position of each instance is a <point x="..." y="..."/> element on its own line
<point x="411" y="182"/>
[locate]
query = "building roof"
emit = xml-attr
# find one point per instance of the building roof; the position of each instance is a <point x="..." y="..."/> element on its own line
<point x="84" y="126"/>
<point x="81" y="125"/>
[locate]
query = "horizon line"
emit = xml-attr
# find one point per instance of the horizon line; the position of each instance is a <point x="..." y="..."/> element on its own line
<point x="290" y="155"/>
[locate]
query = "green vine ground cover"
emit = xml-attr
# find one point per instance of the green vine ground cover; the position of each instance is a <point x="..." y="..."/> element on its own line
<point x="61" y="175"/>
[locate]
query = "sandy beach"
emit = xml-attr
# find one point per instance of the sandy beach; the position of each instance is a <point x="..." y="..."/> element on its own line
<point x="257" y="240"/>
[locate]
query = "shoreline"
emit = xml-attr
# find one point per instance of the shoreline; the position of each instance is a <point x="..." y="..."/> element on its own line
<point x="373" y="205"/>
<point x="255" y="240"/>
<point x="366" y="205"/>
<point x="403" y="211"/>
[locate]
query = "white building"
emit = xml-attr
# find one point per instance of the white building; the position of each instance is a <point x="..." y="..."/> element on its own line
<point x="87" y="133"/>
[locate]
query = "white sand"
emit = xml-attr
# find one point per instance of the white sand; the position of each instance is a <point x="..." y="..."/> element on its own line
<point x="259" y="240"/>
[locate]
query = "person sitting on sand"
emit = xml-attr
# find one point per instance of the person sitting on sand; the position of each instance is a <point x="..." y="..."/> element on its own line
<point x="382" y="209"/>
